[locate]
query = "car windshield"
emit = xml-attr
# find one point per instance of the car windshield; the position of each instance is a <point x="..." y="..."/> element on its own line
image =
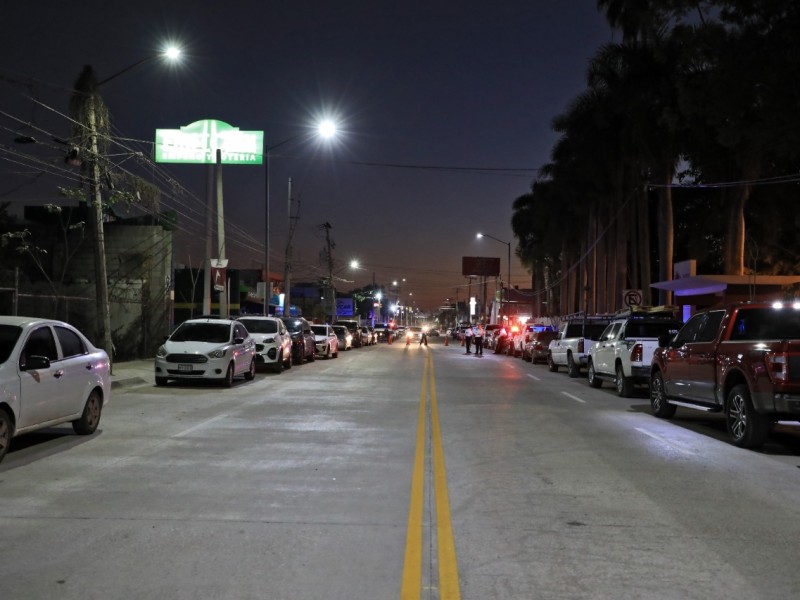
<point x="217" y="333"/>
<point x="260" y="325"/>
<point x="340" y="330"/>
<point x="319" y="329"/>
<point x="9" y="334"/>
<point x="294" y="326"/>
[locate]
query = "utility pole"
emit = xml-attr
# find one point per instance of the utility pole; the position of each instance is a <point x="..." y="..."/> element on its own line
<point x="287" y="269"/>
<point x="89" y="114"/>
<point x="331" y="287"/>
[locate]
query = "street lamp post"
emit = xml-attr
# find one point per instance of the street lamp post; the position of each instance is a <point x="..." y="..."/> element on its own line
<point x="326" y="129"/>
<point x="506" y="313"/>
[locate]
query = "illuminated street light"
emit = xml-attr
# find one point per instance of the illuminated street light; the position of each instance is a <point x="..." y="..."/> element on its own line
<point x="326" y="129"/>
<point x="508" y="283"/>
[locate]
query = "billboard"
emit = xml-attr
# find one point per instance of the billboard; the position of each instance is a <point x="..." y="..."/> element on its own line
<point x="198" y="142"/>
<point x="480" y="266"/>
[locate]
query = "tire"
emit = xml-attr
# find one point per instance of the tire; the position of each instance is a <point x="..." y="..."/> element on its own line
<point x="90" y="419"/>
<point x="328" y="352"/>
<point x="336" y="354"/>
<point x="624" y="384"/>
<point x="277" y="366"/>
<point x="287" y="364"/>
<point x="553" y="367"/>
<point x="573" y="370"/>
<point x="747" y="428"/>
<point x="313" y="356"/>
<point x="658" y="398"/>
<point x="250" y="374"/>
<point x="161" y="381"/>
<point x="591" y="376"/>
<point x="5" y="433"/>
<point x="228" y="381"/>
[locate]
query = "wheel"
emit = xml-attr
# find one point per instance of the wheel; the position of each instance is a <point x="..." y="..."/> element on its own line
<point x="278" y="365"/>
<point x="573" y="370"/>
<point x="624" y="384"/>
<point x="251" y="372"/>
<point x="312" y="357"/>
<point x="747" y="428"/>
<point x="161" y="381"/>
<point x="300" y="357"/>
<point x="658" y="398"/>
<point x="5" y="433"/>
<point x="594" y="380"/>
<point x="550" y="364"/>
<point x="228" y="381"/>
<point x="327" y="352"/>
<point x="287" y="364"/>
<point x="336" y="354"/>
<point x="90" y="418"/>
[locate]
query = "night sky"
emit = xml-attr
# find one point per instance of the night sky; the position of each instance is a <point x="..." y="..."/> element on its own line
<point x="444" y="111"/>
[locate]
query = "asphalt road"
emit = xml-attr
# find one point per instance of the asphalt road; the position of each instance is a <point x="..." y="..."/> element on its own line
<point x="398" y="470"/>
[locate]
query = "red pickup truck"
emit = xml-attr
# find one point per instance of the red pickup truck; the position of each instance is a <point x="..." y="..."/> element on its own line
<point x="742" y="360"/>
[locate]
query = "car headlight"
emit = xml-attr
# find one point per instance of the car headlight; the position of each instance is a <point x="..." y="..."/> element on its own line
<point x="161" y="352"/>
<point x="219" y="353"/>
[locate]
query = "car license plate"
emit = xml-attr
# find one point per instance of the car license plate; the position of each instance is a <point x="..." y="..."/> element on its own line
<point x="187" y="368"/>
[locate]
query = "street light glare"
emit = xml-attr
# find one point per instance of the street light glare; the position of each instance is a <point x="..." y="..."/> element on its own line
<point x="480" y="235"/>
<point x="327" y="129"/>
<point x="353" y="264"/>
<point x="172" y="53"/>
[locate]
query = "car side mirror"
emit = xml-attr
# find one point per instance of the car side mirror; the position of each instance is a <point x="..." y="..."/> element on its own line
<point x="35" y="363"/>
<point x="238" y="340"/>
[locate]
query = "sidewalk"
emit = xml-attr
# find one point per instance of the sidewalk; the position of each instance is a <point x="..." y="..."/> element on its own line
<point x="131" y="373"/>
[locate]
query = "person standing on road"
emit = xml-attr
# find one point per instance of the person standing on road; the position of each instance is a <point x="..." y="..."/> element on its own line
<point x="468" y="338"/>
<point x="478" y="337"/>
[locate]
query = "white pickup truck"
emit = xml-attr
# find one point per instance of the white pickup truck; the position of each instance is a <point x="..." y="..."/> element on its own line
<point x="624" y="353"/>
<point x="570" y="349"/>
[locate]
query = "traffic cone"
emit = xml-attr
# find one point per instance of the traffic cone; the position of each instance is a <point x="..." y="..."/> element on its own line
<point x="389" y="338"/>
<point x="408" y="341"/>
<point x="446" y="340"/>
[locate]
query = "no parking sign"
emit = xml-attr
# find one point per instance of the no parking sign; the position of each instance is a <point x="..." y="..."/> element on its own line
<point x="632" y="297"/>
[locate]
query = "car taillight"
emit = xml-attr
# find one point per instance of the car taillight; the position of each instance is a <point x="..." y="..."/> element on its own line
<point x="637" y="353"/>
<point x="777" y="364"/>
<point x="580" y="346"/>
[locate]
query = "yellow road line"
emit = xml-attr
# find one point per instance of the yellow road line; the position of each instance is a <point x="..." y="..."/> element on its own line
<point x="448" y="565"/>
<point x="412" y="566"/>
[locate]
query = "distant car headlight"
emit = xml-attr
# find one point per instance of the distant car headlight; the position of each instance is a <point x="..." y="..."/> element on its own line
<point x="218" y="353"/>
<point x="161" y="352"/>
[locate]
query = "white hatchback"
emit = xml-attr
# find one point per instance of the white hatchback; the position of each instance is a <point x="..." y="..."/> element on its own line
<point x="207" y="348"/>
<point x="273" y="342"/>
<point x="49" y="374"/>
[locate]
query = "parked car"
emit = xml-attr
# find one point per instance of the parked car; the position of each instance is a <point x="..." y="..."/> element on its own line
<point x="570" y="348"/>
<point x="207" y="348"/>
<point x="344" y="336"/>
<point x="326" y="341"/>
<point x="355" y="329"/>
<point x="304" y="344"/>
<point x="740" y="360"/>
<point x="273" y="342"/>
<point x="521" y="337"/>
<point x="537" y="345"/>
<point x="49" y="374"/>
<point x="624" y="352"/>
<point x="382" y="332"/>
<point x="366" y="336"/>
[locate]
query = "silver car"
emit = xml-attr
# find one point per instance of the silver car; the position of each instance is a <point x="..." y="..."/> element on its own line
<point x="49" y="374"/>
<point x="326" y="341"/>
<point x="207" y="348"/>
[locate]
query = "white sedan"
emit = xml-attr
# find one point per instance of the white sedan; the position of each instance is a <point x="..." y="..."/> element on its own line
<point x="326" y="341"/>
<point x="49" y="374"/>
<point x="216" y="349"/>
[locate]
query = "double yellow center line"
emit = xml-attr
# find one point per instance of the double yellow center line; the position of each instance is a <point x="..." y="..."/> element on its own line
<point x="448" y="566"/>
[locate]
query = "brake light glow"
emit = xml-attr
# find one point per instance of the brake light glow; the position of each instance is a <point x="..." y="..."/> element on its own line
<point x="637" y="353"/>
<point x="580" y="346"/>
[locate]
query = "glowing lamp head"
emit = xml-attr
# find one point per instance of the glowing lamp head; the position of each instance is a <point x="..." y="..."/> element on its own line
<point x="327" y="129"/>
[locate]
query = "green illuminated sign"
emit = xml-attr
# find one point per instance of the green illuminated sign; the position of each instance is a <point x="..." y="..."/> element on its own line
<point x="198" y="143"/>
